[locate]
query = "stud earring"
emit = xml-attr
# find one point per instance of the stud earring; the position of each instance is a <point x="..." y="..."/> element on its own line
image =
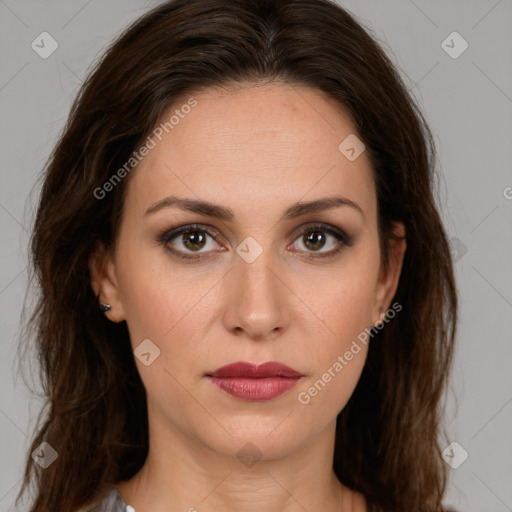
<point x="105" y="307"/>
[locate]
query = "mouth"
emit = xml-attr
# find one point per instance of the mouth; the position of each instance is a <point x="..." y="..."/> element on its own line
<point x="255" y="383"/>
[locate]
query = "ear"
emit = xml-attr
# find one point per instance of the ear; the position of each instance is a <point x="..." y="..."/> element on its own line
<point x="388" y="278"/>
<point x="104" y="282"/>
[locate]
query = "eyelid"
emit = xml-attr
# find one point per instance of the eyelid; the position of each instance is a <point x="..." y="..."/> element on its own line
<point x="172" y="232"/>
<point x="344" y="239"/>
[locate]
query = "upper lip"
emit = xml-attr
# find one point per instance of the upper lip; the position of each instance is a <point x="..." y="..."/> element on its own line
<point x="255" y="371"/>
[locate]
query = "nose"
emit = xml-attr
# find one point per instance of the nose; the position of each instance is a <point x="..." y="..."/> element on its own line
<point x="256" y="298"/>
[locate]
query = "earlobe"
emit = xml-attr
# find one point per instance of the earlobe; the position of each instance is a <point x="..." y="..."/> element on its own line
<point x="104" y="283"/>
<point x="388" y="278"/>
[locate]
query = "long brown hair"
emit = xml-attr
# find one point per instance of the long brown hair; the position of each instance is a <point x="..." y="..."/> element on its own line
<point x="388" y="435"/>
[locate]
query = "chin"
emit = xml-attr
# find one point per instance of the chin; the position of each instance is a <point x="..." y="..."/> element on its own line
<point x="258" y="439"/>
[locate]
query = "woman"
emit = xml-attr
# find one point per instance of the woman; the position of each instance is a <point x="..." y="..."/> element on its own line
<point x="247" y="295"/>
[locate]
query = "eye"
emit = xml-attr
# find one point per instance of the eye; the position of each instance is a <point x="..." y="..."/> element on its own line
<point x="192" y="237"/>
<point x="190" y="241"/>
<point x="314" y="238"/>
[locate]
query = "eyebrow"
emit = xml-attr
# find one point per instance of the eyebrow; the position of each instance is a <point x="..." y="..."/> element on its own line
<point x="209" y="209"/>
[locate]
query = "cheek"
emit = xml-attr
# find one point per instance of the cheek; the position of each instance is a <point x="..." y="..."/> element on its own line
<point x="164" y="308"/>
<point x="168" y="306"/>
<point x="153" y="296"/>
<point x="338" y="356"/>
<point x="342" y="301"/>
<point x="343" y="311"/>
<point x="174" y="307"/>
<point x="327" y="393"/>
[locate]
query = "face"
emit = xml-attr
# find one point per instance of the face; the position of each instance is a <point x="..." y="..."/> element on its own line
<point x="260" y="277"/>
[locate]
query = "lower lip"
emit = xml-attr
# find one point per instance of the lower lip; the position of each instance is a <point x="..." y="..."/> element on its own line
<point x="255" y="390"/>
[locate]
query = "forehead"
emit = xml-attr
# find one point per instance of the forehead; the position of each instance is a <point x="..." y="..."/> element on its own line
<point x="253" y="145"/>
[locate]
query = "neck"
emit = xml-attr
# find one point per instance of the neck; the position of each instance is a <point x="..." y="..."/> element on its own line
<point x="185" y="475"/>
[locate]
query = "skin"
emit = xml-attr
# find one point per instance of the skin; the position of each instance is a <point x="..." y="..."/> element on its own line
<point x="256" y="150"/>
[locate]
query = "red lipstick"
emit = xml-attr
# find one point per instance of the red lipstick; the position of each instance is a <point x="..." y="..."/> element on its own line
<point x="255" y="383"/>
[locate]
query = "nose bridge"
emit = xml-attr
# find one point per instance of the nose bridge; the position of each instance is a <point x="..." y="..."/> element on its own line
<point x="255" y="291"/>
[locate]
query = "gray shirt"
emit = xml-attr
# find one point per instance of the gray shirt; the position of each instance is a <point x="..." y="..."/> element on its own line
<point x="113" y="502"/>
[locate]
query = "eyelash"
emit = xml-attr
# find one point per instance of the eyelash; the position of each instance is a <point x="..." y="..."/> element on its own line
<point x="169" y="234"/>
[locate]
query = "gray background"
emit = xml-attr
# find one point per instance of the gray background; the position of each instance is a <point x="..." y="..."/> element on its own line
<point x="468" y="104"/>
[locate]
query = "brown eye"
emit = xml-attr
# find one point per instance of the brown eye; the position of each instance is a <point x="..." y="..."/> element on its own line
<point x="184" y="241"/>
<point x="194" y="240"/>
<point x="191" y="241"/>
<point x="315" y="238"/>
<point x="314" y="241"/>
